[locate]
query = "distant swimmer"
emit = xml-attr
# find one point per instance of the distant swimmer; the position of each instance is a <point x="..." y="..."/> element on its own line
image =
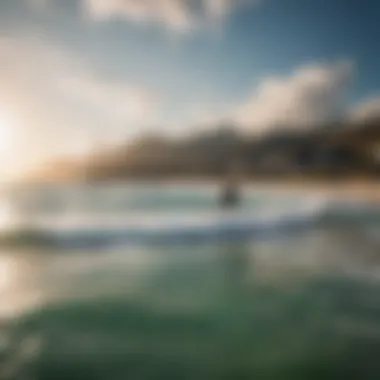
<point x="230" y="197"/>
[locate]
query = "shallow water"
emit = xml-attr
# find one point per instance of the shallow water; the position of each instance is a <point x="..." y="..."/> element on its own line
<point x="302" y="306"/>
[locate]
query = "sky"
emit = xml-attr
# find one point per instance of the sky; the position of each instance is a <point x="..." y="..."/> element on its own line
<point x="78" y="74"/>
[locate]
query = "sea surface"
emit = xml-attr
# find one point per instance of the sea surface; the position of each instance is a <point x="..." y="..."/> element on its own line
<point x="153" y="281"/>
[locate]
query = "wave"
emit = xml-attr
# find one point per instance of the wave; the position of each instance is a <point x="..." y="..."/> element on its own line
<point x="89" y="231"/>
<point x="122" y="216"/>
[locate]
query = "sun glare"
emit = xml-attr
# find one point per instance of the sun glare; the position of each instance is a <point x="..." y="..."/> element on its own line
<point x="6" y="134"/>
<point x="8" y="154"/>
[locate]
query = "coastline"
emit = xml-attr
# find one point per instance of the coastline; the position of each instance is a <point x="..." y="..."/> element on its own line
<point x="345" y="189"/>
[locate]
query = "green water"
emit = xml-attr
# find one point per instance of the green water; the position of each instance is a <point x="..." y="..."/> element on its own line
<point x="303" y="307"/>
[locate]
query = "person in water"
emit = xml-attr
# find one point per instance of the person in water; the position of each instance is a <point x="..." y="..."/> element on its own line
<point x="230" y="197"/>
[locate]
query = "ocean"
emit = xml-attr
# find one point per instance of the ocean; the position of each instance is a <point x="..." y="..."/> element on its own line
<point x="154" y="281"/>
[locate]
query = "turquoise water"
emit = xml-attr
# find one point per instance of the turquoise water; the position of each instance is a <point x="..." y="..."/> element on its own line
<point x="304" y="305"/>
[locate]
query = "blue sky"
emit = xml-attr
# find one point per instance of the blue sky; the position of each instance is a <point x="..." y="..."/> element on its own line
<point x="81" y="72"/>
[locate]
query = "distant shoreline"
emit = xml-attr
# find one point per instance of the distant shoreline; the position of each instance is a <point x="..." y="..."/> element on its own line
<point x="353" y="188"/>
<point x="366" y="190"/>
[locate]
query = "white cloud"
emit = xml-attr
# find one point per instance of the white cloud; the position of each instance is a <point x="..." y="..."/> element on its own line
<point x="118" y="102"/>
<point x="181" y="16"/>
<point x="172" y="14"/>
<point x="175" y="15"/>
<point x="311" y="95"/>
<point x="368" y="109"/>
<point x="220" y="9"/>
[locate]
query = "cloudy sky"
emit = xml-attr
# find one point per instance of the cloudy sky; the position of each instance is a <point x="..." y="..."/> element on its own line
<point x="78" y="73"/>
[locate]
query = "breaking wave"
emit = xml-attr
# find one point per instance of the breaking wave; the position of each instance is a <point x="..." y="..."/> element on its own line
<point x="97" y="230"/>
